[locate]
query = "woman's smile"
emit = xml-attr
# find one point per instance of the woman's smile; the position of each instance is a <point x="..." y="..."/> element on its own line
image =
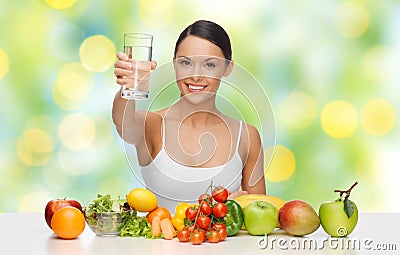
<point x="192" y="87"/>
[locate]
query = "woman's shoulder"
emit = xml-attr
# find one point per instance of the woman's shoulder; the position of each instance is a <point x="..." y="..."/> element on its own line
<point x="250" y="134"/>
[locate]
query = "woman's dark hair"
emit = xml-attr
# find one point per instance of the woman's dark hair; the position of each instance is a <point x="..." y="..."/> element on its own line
<point x="210" y="31"/>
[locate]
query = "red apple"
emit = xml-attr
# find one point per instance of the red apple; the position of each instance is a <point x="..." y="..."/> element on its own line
<point x="56" y="204"/>
<point x="298" y="218"/>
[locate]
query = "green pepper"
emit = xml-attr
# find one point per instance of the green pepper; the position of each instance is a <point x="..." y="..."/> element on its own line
<point x="234" y="218"/>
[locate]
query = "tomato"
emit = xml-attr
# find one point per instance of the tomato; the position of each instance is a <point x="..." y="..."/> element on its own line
<point x="220" y="194"/>
<point x="220" y="210"/>
<point x="213" y="236"/>
<point x="206" y="208"/>
<point x="191" y="228"/>
<point x="203" y="222"/>
<point x="191" y="213"/>
<point x="222" y="234"/>
<point x="205" y="197"/>
<point x="197" y="237"/>
<point x="204" y="234"/>
<point x="219" y="225"/>
<point x="184" y="235"/>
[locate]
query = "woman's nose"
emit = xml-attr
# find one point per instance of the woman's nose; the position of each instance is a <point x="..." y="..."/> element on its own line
<point x="197" y="75"/>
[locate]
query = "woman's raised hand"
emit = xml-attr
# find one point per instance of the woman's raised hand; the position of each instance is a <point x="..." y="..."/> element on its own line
<point x="127" y="70"/>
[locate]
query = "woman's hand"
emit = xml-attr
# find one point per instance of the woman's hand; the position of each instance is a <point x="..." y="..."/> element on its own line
<point x="127" y="70"/>
<point x="237" y="194"/>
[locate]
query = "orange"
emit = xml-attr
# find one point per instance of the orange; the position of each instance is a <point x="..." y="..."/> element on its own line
<point x="68" y="222"/>
<point x="161" y="212"/>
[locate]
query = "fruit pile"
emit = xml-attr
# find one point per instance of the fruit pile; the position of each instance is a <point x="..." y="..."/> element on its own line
<point x="65" y="217"/>
<point x="213" y="219"/>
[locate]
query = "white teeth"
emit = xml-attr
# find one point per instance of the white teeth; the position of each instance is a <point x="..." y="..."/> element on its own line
<point x="196" y="87"/>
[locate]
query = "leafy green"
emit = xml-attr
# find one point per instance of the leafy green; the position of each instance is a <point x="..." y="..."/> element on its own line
<point x="348" y="207"/>
<point x="136" y="226"/>
<point x="123" y="219"/>
<point x="105" y="215"/>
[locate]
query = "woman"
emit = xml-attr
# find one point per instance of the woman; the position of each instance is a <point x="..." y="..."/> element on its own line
<point x="183" y="148"/>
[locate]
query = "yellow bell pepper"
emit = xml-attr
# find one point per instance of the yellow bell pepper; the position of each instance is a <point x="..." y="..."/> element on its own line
<point x="178" y="223"/>
<point x="179" y="218"/>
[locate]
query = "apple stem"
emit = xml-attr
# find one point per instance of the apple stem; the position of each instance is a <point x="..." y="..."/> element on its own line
<point x="346" y="192"/>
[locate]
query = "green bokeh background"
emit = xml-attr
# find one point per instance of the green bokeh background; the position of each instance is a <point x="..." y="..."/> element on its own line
<point x="326" y="50"/>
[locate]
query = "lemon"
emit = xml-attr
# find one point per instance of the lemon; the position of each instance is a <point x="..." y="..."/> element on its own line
<point x="142" y="200"/>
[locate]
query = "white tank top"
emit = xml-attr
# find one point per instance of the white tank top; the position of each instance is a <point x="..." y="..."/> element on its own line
<point x="173" y="182"/>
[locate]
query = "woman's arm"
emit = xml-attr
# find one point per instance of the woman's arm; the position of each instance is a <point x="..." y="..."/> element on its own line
<point x="129" y="122"/>
<point x="253" y="171"/>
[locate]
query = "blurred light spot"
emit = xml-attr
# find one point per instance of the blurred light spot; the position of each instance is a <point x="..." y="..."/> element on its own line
<point x="380" y="64"/>
<point x="104" y="133"/>
<point x="282" y="165"/>
<point x="4" y="65"/>
<point x="367" y="167"/>
<point x="77" y="131"/>
<point x="339" y="119"/>
<point x="52" y="176"/>
<point x="75" y="162"/>
<point x="97" y="53"/>
<point x="377" y="117"/>
<point x="351" y="19"/>
<point x="60" y="4"/>
<point x="298" y="110"/>
<point x="64" y="39"/>
<point x="389" y="161"/>
<point x="43" y="122"/>
<point x="35" y="147"/>
<point x="117" y="184"/>
<point x="156" y="13"/>
<point x="72" y="86"/>
<point x="33" y="202"/>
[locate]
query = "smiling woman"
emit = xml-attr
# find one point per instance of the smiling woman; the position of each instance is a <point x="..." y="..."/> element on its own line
<point x="191" y="143"/>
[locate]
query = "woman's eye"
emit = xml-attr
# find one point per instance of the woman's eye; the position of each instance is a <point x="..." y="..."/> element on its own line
<point x="210" y="65"/>
<point x="185" y="63"/>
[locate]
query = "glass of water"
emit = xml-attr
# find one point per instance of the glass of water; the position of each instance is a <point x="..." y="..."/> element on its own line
<point x="138" y="47"/>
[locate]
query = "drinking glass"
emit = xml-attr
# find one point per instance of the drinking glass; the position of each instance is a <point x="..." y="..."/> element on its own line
<point x="138" y="47"/>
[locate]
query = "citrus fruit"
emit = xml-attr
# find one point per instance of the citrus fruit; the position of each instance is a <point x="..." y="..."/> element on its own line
<point x="68" y="222"/>
<point x="161" y="212"/>
<point x="142" y="200"/>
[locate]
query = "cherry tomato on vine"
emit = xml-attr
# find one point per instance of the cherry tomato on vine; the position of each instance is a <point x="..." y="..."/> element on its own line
<point x="197" y="237"/>
<point x="213" y="236"/>
<point x="204" y="233"/>
<point x="219" y="225"/>
<point x="205" y="197"/>
<point x="222" y="234"/>
<point x="203" y="222"/>
<point x="220" y="210"/>
<point x="184" y="235"/>
<point x="191" y="213"/>
<point x="220" y="194"/>
<point x="206" y="208"/>
<point x="191" y="228"/>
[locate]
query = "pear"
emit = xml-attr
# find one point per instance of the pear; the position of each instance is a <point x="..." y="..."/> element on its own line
<point x="298" y="218"/>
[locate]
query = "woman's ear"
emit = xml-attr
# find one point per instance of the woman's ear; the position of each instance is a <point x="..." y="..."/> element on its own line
<point x="228" y="68"/>
<point x="173" y="63"/>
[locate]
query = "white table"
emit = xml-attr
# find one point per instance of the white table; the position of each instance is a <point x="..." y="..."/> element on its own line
<point x="29" y="234"/>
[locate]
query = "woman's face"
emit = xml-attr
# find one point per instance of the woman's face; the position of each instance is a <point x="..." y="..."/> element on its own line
<point x="199" y="66"/>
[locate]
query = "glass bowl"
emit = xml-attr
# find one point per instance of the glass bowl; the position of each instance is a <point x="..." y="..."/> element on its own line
<point x="104" y="224"/>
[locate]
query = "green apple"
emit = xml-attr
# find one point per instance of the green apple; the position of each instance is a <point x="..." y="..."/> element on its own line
<point x="339" y="218"/>
<point x="260" y="218"/>
<point x="334" y="219"/>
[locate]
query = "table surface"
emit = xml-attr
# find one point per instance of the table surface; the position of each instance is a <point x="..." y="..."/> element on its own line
<point x="29" y="234"/>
